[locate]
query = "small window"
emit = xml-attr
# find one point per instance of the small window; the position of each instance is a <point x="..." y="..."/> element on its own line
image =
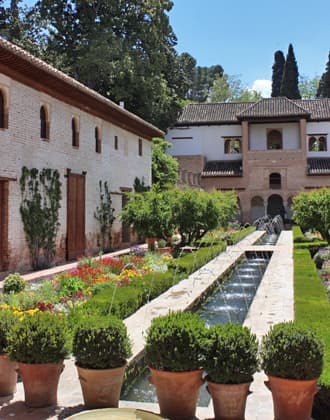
<point x="116" y="143"/>
<point x="274" y="140"/>
<point x="75" y="133"/>
<point x="317" y="143"/>
<point x="275" y="181"/>
<point x="140" y="147"/>
<point x="3" y="110"/>
<point x="233" y="146"/>
<point x="44" y="123"/>
<point x="97" y="140"/>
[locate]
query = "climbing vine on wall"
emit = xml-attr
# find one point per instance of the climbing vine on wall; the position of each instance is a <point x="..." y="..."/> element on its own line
<point x="41" y="196"/>
<point x="104" y="214"/>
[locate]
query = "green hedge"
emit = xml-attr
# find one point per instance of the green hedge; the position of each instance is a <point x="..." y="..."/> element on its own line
<point x="312" y="310"/>
<point x="301" y="242"/>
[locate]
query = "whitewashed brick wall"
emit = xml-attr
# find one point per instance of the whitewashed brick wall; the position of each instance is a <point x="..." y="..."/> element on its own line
<point x="21" y="145"/>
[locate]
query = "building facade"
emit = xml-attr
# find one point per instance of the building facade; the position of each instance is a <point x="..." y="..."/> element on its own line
<point x="266" y="151"/>
<point x="49" y="120"/>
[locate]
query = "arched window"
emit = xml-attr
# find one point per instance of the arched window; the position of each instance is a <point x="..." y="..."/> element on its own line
<point x="317" y="143"/>
<point x="97" y="140"/>
<point x="322" y="144"/>
<point x="232" y="146"/>
<point x="75" y="132"/>
<point x="44" y="124"/>
<point x="275" y="181"/>
<point x="274" y="140"/>
<point x="3" y="110"/>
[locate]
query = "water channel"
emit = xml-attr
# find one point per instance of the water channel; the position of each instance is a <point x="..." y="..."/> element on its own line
<point x="229" y="302"/>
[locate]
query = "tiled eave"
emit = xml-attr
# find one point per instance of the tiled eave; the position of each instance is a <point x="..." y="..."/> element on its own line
<point x="29" y="70"/>
<point x="318" y="166"/>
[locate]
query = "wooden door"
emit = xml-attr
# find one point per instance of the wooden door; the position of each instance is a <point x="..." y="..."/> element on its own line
<point x="125" y="228"/>
<point x="76" y="216"/>
<point x="4" y="225"/>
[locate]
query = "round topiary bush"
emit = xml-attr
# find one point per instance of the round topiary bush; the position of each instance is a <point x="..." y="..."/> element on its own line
<point x="101" y="342"/>
<point x="14" y="283"/>
<point x="291" y="351"/>
<point x="174" y="342"/>
<point x="231" y="354"/>
<point x="39" y="337"/>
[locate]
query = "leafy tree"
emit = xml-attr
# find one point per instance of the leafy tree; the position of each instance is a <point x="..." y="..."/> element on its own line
<point x="203" y="80"/>
<point x="230" y="89"/>
<point x="104" y="214"/>
<point x="308" y="87"/>
<point x="164" y="167"/>
<point x="277" y="75"/>
<point x="311" y="210"/>
<point x="324" y="86"/>
<point x="289" y="85"/>
<point x="197" y="212"/>
<point x="150" y="214"/>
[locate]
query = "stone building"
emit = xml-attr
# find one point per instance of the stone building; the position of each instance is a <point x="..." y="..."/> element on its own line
<point x="49" y="120"/>
<point x="266" y="151"/>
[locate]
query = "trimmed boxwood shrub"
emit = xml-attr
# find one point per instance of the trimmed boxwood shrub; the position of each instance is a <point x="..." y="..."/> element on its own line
<point x="101" y="342"/>
<point x="14" y="283"/>
<point x="231" y="354"/>
<point x="41" y="337"/>
<point x="174" y="342"/>
<point x="290" y="351"/>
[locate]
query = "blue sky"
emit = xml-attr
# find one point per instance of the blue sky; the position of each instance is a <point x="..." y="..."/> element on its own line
<point x="243" y="35"/>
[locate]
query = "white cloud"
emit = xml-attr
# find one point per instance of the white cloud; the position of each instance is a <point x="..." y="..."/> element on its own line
<point x="263" y="86"/>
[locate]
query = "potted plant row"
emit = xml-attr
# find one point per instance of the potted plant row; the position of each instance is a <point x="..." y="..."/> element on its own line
<point x="178" y="346"/>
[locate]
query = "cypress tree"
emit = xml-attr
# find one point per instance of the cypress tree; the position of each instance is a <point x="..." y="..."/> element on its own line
<point x="323" y="90"/>
<point x="289" y="85"/>
<point x="278" y="68"/>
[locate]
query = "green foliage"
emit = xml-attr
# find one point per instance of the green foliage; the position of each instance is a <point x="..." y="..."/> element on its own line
<point x="174" y="342"/>
<point x="229" y="89"/>
<point x="164" y="167"/>
<point x="311" y="210"/>
<point x="277" y="75"/>
<point x="324" y="85"/>
<point x="139" y="185"/>
<point x="14" y="283"/>
<point x="308" y="87"/>
<point x="69" y="285"/>
<point x="7" y="319"/>
<point x="101" y="342"/>
<point x="42" y="337"/>
<point x="197" y="212"/>
<point x="150" y="214"/>
<point x="311" y="307"/>
<point x="104" y="214"/>
<point x="289" y="85"/>
<point x="291" y="351"/>
<point x="41" y="196"/>
<point x="231" y="354"/>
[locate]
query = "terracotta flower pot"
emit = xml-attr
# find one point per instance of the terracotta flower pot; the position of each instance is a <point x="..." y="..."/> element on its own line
<point x="8" y="376"/>
<point x="101" y="387"/>
<point x="293" y="399"/>
<point x="40" y="382"/>
<point x="177" y="392"/>
<point x="229" y="400"/>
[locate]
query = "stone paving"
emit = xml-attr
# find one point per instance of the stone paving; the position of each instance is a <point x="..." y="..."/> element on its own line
<point x="273" y="303"/>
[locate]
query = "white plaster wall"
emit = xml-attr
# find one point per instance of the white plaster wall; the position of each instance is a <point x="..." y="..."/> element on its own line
<point x="20" y="145"/>
<point x="322" y="127"/>
<point x="206" y="140"/>
<point x="258" y="135"/>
